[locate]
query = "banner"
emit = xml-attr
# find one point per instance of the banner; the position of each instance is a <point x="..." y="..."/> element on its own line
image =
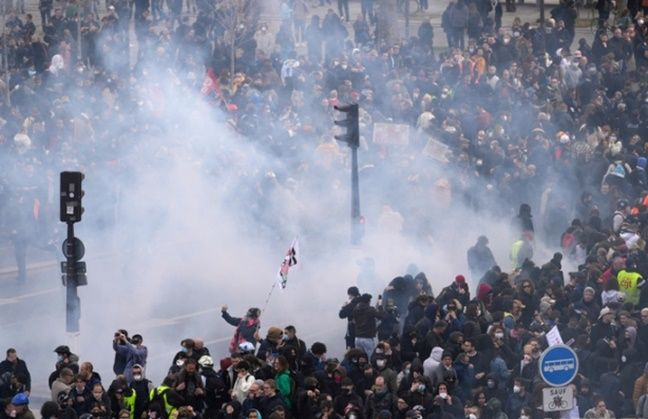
<point x="391" y="134"/>
<point x="437" y="150"/>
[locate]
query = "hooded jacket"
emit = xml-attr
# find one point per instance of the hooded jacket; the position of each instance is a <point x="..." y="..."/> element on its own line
<point x="432" y="362"/>
<point x="365" y="317"/>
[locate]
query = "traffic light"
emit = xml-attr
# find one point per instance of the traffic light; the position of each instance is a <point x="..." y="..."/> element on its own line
<point x="351" y="123"/>
<point x="71" y="194"/>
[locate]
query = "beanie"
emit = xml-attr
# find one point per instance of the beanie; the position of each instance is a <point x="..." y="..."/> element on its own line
<point x="20" y="399"/>
<point x="460" y="279"/>
<point x="274" y="333"/>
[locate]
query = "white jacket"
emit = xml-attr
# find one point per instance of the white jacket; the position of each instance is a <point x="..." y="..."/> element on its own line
<point x="242" y="387"/>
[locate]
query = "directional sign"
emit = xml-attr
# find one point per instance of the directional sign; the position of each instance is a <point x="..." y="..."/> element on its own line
<point x="79" y="249"/>
<point x="557" y="399"/>
<point x="558" y="365"/>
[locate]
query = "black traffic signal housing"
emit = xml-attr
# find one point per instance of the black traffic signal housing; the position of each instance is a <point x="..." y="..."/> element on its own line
<point x="352" y="125"/>
<point x="71" y="194"/>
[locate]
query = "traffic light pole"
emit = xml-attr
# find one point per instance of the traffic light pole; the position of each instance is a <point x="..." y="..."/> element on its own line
<point x="72" y="302"/>
<point x="356" y="228"/>
<point x="352" y="138"/>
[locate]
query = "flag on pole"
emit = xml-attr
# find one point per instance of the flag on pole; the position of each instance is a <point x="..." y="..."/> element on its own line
<point x="289" y="260"/>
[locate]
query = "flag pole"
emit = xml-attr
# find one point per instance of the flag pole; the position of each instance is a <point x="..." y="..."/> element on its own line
<point x="274" y="285"/>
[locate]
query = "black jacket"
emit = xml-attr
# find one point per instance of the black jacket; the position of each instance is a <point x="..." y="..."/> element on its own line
<point x="365" y="317"/>
<point x="18" y="368"/>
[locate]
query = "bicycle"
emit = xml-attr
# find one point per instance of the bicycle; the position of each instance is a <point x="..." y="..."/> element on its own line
<point x="558" y="403"/>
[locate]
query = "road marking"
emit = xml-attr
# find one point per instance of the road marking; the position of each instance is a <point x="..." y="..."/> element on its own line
<point x="19" y="298"/>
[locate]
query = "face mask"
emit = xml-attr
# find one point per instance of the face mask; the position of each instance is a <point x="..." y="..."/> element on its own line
<point x="491" y="384"/>
<point x="499" y="335"/>
<point x="524" y="417"/>
<point x="183" y="349"/>
<point x="180" y="362"/>
<point x="137" y="377"/>
<point x="516" y="389"/>
<point x="406" y="371"/>
<point x="471" y="416"/>
<point x="61" y="358"/>
<point x="284" y="338"/>
<point x="443" y="395"/>
<point x="381" y="363"/>
<point x="348" y="390"/>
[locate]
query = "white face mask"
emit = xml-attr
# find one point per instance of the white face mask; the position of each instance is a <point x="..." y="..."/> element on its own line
<point x="443" y="395"/>
<point x="137" y="377"/>
<point x="380" y="363"/>
<point x="516" y="389"/>
<point x="499" y="335"/>
<point x="180" y="362"/>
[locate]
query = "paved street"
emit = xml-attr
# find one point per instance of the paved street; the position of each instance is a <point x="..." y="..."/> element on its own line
<point x="33" y="313"/>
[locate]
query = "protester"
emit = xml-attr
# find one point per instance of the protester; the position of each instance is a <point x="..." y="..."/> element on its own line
<point x="547" y="137"/>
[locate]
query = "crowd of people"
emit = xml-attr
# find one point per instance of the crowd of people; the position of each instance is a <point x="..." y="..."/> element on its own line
<point x="523" y="116"/>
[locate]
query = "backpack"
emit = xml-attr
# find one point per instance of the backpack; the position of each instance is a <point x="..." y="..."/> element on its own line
<point x="619" y="170"/>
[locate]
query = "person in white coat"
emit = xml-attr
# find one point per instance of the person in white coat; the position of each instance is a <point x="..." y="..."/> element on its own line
<point x="244" y="381"/>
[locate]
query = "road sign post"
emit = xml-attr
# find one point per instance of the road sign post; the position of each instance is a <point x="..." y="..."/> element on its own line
<point x="557" y="399"/>
<point x="558" y="367"/>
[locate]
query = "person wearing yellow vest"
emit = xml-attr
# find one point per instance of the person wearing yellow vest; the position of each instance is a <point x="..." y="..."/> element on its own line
<point x="129" y="401"/>
<point x="164" y="395"/>
<point x="521" y="250"/>
<point x="629" y="283"/>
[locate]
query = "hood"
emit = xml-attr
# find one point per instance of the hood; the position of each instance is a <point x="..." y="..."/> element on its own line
<point x="494" y="405"/>
<point x="436" y="353"/>
<point x="482" y="292"/>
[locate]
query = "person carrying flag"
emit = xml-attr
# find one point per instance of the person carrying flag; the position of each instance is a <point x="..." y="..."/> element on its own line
<point x="247" y="328"/>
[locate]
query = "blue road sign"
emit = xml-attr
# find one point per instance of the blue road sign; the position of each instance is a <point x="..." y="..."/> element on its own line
<point x="558" y="365"/>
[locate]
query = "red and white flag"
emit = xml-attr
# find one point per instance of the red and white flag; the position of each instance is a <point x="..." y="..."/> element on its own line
<point x="289" y="260"/>
<point x="211" y="85"/>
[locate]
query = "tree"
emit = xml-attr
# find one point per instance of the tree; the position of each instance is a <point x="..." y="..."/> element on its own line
<point x="238" y="19"/>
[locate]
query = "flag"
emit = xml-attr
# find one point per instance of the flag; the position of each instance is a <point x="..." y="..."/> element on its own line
<point x="211" y="85"/>
<point x="289" y="260"/>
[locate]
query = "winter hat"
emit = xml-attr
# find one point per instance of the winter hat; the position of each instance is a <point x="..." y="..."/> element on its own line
<point x="604" y="311"/>
<point x="483" y="290"/>
<point x="460" y="279"/>
<point x="20" y="399"/>
<point x="274" y="334"/>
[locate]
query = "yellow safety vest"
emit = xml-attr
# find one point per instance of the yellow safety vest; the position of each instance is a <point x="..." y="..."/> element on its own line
<point x="628" y="284"/>
<point x="515" y="251"/>
<point x="129" y="403"/>
<point x="162" y="391"/>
